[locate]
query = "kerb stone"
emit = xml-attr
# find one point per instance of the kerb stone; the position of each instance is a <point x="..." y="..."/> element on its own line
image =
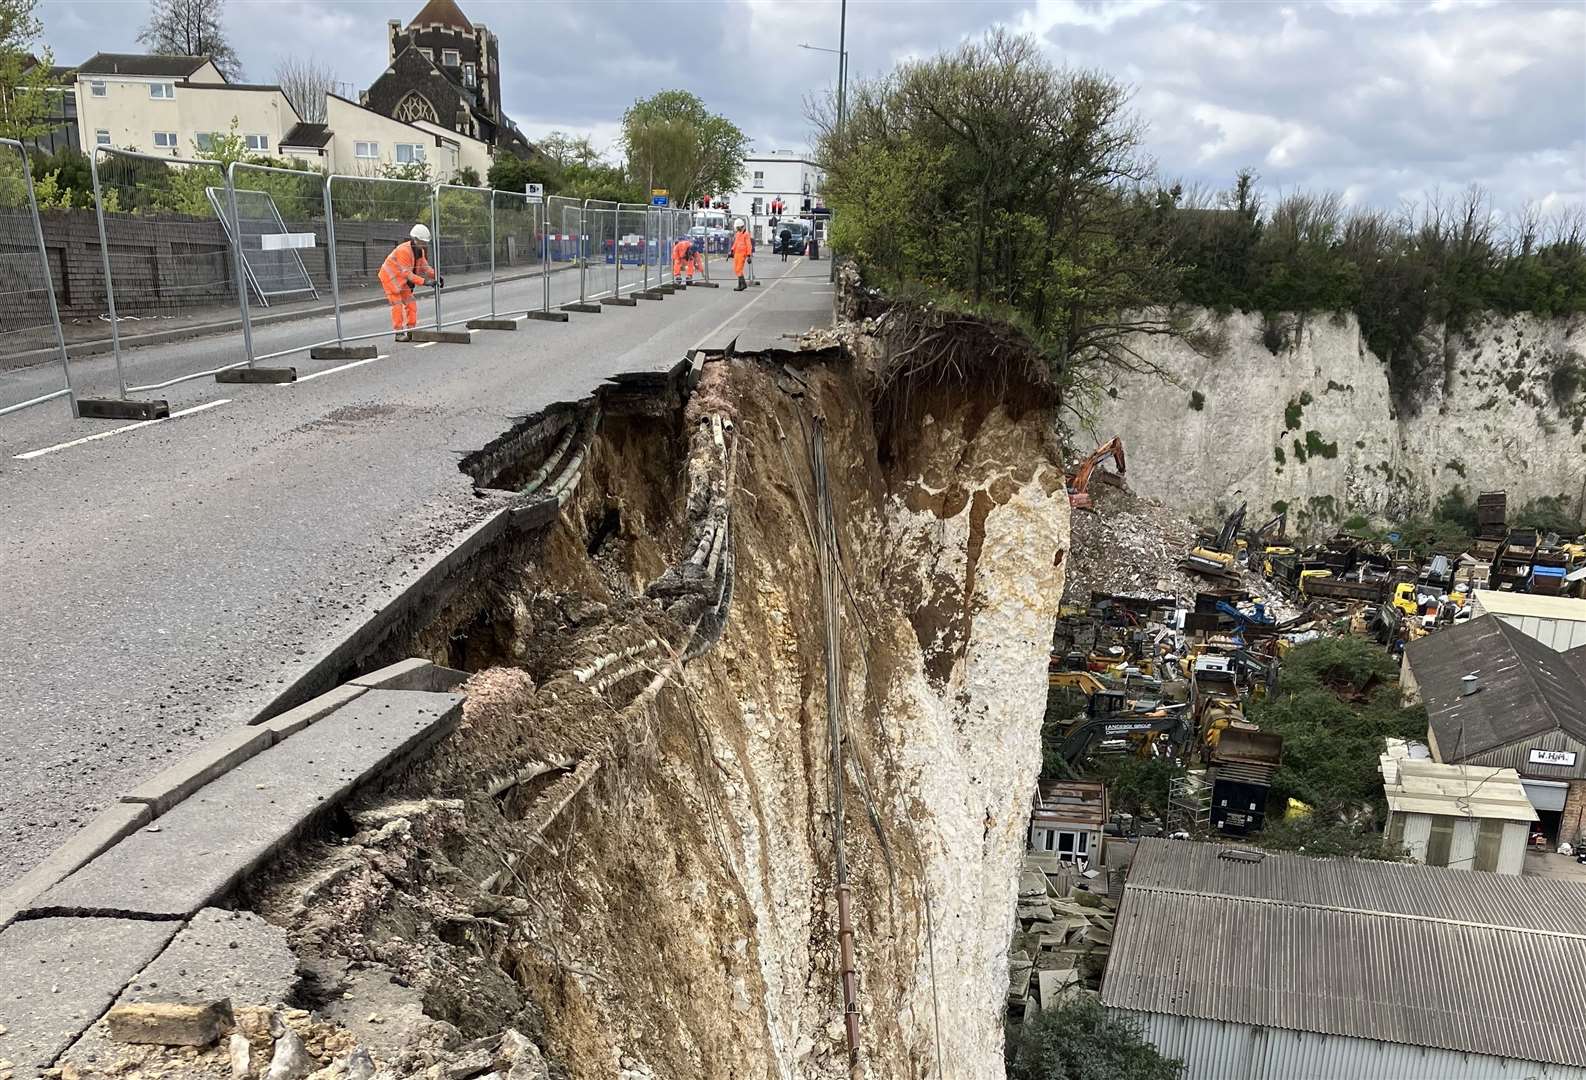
<point x="216" y="758"/>
<point x="88" y="842"/>
<point x="414" y="673"/>
<point x="197" y="853"/>
<point x="294" y="720"/>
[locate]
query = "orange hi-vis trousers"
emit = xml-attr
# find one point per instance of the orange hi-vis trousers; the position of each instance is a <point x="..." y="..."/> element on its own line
<point x="398" y="274"/>
<point x="404" y="307"/>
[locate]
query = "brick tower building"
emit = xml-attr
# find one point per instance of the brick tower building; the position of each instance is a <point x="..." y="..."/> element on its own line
<point x="446" y="70"/>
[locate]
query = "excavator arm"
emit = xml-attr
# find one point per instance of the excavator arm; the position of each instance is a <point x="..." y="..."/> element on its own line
<point x="1079" y="483"/>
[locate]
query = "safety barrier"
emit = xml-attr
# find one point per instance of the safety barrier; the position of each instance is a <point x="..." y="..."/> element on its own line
<point x="517" y="250"/>
<point x="602" y="269"/>
<point x="464" y="245"/>
<point x="282" y="234"/>
<point x="370" y="218"/>
<point x="185" y="196"/>
<point x="633" y="246"/>
<point x="29" y="319"/>
<point x="567" y="248"/>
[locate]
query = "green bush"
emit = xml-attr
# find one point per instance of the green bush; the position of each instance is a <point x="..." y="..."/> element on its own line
<point x="1292" y="416"/>
<point x="1080" y="1041"/>
<point x="1318" y="448"/>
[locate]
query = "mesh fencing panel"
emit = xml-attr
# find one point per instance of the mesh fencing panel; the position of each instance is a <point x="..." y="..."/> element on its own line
<point x="29" y="320"/>
<point x="285" y="251"/>
<point x="564" y="250"/>
<point x="462" y="251"/>
<point x="633" y="244"/>
<point x="520" y="253"/>
<point x="600" y="231"/>
<point x="372" y="217"/>
<point x="165" y="247"/>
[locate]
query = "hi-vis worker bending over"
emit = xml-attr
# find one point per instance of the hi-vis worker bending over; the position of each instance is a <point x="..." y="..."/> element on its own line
<point x="683" y="259"/>
<point x="742" y="252"/>
<point x="403" y="269"/>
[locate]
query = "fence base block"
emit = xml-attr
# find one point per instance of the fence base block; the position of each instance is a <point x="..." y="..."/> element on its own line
<point x="344" y="352"/>
<point x="587" y="309"/>
<point x="650" y="294"/>
<point x="257" y="375"/>
<point x="449" y="337"/>
<point x="492" y="324"/>
<point x="619" y="301"/>
<point x="704" y="285"/>
<point x="116" y="409"/>
<point x="546" y="316"/>
<point x="668" y="289"/>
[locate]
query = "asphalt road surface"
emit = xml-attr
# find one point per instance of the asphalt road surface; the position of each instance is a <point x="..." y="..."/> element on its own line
<point x="163" y="582"/>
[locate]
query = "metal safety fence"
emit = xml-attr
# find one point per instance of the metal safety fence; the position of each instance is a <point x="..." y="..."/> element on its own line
<point x="182" y="197"/>
<point x="633" y="246"/>
<point x="602" y="268"/>
<point x="566" y="252"/>
<point x="517" y="254"/>
<point x="370" y="218"/>
<point x="30" y="322"/>
<point x="465" y="246"/>
<point x="282" y="233"/>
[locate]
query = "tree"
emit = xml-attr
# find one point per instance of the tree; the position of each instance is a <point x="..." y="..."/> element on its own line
<point x="27" y="91"/>
<point x="305" y="81"/>
<point x="563" y="150"/>
<point x="1079" y="1041"/>
<point x="674" y="142"/>
<point x="467" y="176"/>
<point x="191" y="28"/>
<point x="1021" y="187"/>
<point x="508" y="172"/>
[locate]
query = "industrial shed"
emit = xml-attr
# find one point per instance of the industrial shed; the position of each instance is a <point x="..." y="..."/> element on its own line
<point x="1261" y="966"/>
<point x="1559" y="622"/>
<point x="1523" y="707"/>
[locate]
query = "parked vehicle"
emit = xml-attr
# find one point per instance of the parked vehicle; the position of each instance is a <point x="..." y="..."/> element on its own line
<point x="798" y="237"/>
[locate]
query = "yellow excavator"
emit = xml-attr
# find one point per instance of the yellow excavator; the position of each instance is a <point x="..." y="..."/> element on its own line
<point x="1214" y="558"/>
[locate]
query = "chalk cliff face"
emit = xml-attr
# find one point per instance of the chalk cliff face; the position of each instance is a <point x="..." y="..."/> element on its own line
<point x="1313" y="426"/>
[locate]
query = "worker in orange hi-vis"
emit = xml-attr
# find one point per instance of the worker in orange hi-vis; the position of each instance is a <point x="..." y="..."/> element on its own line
<point x="682" y="259"/>
<point x="696" y="261"/>
<point x="742" y="252"/>
<point x="403" y="269"/>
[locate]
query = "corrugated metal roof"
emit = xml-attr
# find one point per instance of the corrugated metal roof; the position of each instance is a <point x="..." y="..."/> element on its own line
<point x="1526" y="687"/>
<point x="1420" y="955"/>
<point x="1492" y="602"/>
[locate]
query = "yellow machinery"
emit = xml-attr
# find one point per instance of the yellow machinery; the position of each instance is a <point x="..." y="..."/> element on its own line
<point x="1083" y="681"/>
<point x="1404" y="598"/>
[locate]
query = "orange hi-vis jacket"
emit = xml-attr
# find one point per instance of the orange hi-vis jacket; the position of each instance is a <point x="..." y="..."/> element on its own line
<point x="680" y="255"/>
<point x="403" y="269"/>
<point x="742" y="250"/>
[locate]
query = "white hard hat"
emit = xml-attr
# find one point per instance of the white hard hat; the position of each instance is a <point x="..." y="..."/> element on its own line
<point x="421" y="233"/>
<point x="737" y="223"/>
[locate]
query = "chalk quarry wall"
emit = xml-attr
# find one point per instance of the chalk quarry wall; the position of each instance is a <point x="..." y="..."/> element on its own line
<point x="1314" y="427"/>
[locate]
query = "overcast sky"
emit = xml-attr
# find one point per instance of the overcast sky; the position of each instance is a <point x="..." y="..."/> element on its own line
<point x="1379" y="100"/>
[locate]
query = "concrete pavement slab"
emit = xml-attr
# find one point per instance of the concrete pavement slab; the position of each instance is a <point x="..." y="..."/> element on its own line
<point x="58" y="976"/>
<point x="217" y="757"/>
<point x="117" y="821"/>
<point x="198" y="852"/>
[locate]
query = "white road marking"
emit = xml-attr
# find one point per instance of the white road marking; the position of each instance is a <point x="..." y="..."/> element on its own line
<point x="740" y="313"/>
<point x="31" y="454"/>
<point x="332" y="371"/>
<point x="424" y="344"/>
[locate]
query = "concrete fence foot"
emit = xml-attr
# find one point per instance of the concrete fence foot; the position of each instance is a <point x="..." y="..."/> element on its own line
<point x="492" y="324"/>
<point x="587" y="309"/>
<point x="116" y="409"/>
<point x="546" y="316"/>
<point x="449" y="337"/>
<point x="344" y="352"/>
<point x="619" y="301"/>
<point x="257" y="375"/>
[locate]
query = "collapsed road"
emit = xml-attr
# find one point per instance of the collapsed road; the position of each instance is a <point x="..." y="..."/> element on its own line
<point x="729" y="595"/>
<point x="165" y="584"/>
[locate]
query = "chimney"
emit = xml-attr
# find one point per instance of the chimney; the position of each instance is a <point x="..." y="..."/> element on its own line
<point x="1469" y="684"/>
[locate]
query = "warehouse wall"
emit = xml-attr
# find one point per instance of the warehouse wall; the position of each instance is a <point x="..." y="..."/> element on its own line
<point x="1214" y="1050"/>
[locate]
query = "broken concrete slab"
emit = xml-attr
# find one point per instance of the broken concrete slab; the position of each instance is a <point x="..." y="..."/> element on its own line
<point x="220" y="954"/>
<point x="198" y="852"/>
<point x="58" y="976"/>
<point x="215" y="758"/>
<point x="414" y="673"/>
<point x="167" y="1024"/>
<point x="294" y="720"/>
<point x="88" y="842"/>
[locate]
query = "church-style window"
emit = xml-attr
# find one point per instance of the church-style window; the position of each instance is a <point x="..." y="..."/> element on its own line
<point x="470" y="76"/>
<point x="414" y="107"/>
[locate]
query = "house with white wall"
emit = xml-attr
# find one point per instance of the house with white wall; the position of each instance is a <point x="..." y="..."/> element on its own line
<point x="173" y="105"/>
<point x="357" y="141"/>
<point x="793" y="178"/>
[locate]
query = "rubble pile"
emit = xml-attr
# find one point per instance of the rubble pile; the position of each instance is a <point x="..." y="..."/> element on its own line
<point x="1062" y="942"/>
<point x="1131" y="545"/>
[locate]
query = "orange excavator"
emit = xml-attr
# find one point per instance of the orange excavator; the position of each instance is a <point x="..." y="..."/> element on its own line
<point x="1079" y="482"/>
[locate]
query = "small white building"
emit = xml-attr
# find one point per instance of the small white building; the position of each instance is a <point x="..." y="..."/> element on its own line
<point x="1559" y="622"/>
<point x="1465" y="817"/>
<point x="357" y="141"/>
<point x="794" y="179"/>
